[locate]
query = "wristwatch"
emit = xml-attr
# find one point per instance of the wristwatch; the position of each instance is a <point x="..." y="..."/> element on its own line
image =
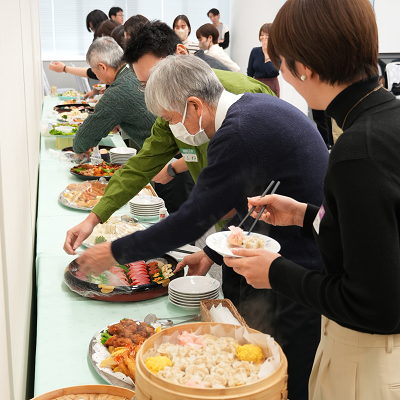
<point x="171" y="171"/>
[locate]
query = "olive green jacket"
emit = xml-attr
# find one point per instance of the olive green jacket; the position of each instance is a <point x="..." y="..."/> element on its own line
<point x="160" y="148"/>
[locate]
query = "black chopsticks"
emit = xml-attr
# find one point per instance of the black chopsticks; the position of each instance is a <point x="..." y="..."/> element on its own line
<point x="262" y="210"/>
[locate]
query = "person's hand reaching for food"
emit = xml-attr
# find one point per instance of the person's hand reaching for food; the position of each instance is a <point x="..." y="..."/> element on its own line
<point x="280" y="210"/>
<point x="254" y="265"/>
<point x="81" y="157"/>
<point x="91" y="94"/>
<point x="199" y="263"/>
<point x="80" y="232"/>
<point x="97" y="259"/>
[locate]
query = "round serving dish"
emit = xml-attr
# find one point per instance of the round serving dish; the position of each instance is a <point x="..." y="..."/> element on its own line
<point x="119" y="293"/>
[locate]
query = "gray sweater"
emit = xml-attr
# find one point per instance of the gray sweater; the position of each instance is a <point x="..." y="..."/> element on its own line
<point x="123" y="105"/>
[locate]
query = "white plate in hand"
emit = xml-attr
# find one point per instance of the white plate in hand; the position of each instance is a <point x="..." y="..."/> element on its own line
<point x="219" y="243"/>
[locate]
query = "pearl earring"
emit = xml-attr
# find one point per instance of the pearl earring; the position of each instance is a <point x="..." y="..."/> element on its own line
<point x="303" y="78"/>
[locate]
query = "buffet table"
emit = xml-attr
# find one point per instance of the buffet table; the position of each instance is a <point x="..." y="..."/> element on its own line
<point x="66" y="321"/>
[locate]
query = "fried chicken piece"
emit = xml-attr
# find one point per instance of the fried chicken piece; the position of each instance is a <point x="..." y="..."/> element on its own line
<point x="132" y="329"/>
<point x="117" y="341"/>
<point x="116" y="329"/>
<point x="137" y="338"/>
<point x="127" y="322"/>
<point x="143" y="327"/>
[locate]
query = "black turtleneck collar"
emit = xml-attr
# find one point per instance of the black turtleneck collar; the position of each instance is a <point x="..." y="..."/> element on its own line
<point x="341" y="105"/>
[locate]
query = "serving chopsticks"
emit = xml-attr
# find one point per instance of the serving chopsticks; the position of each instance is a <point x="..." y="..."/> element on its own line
<point x="264" y="207"/>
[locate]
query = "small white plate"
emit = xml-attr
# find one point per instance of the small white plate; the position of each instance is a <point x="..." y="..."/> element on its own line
<point x="194" y="284"/>
<point x="123" y="150"/>
<point x="191" y="297"/>
<point x="182" y="306"/>
<point x="190" y="302"/>
<point x="144" y="201"/>
<point x="219" y="243"/>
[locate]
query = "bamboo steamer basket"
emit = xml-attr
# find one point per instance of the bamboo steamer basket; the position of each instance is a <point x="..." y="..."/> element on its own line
<point x="151" y="387"/>
<point x="87" y="389"/>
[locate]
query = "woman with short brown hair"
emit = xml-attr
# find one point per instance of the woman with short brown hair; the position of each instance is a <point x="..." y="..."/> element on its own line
<point x="260" y="66"/>
<point x="328" y="50"/>
<point x="207" y="35"/>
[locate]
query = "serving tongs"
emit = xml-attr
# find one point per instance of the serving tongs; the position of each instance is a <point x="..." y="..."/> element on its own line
<point x="262" y="210"/>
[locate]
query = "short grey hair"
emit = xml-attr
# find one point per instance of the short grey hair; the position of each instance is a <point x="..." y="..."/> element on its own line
<point x="175" y="78"/>
<point x="105" y="50"/>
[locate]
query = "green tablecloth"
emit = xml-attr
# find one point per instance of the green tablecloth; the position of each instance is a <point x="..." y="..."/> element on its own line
<point x="66" y="321"/>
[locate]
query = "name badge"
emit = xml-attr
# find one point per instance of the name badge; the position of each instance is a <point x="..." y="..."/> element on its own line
<point x="189" y="155"/>
<point x="318" y="218"/>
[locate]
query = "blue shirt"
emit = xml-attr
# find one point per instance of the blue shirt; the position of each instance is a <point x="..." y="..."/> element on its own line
<point x="258" y="67"/>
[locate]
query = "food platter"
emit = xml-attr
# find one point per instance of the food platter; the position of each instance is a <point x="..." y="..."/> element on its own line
<point x="70" y="95"/>
<point x="114" y="228"/>
<point x="63" y="129"/>
<point x="96" y="351"/>
<point x="103" y="168"/>
<point x="120" y="293"/>
<point x="69" y="107"/>
<point x="84" y="195"/>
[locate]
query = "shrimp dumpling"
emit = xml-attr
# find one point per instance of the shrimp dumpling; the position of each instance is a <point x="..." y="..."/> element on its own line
<point x="236" y="237"/>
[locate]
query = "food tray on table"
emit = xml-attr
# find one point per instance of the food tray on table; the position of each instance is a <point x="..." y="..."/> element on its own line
<point x="70" y="95"/>
<point x="95" y="171"/>
<point x="84" y="195"/>
<point x="98" y="353"/>
<point x="108" y="286"/>
<point x="64" y="129"/>
<point x="205" y="306"/>
<point x="113" y="229"/>
<point x="61" y="108"/>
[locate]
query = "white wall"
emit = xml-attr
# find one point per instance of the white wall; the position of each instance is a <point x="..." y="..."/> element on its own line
<point x="21" y="103"/>
<point x="246" y="19"/>
<point x="387" y="17"/>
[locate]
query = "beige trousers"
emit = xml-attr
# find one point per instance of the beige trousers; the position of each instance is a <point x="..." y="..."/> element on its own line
<point x="353" y="365"/>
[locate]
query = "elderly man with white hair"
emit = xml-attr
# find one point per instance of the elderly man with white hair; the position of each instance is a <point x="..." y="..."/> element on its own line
<point x="253" y="138"/>
<point x="122" y="104"/>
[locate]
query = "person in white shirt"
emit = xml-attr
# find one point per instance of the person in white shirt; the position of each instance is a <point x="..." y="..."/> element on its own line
<point x="182" y="28"/>
<point x="223" y="30"/>
<point x="208" y="41"/>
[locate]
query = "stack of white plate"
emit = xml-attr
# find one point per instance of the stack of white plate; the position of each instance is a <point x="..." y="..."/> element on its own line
<point x="187" y="292"/>
<point x="143" y="206"/>
<point x="120" y="155"/>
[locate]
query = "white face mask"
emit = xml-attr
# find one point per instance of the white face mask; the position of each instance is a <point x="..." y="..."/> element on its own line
<point x="182" y="33"/>
<point x="181" y="133"/>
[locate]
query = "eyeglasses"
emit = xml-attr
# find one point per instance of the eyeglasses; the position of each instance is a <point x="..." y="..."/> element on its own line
<point x="141" y="87"/>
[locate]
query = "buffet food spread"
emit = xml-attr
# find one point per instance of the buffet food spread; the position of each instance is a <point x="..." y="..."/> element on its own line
<point x="209" y="357"/>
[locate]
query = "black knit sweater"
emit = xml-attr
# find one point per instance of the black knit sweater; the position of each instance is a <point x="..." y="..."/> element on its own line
<point x="359" y="234"/>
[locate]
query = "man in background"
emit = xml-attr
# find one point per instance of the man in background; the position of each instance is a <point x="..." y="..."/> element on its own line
<point x="223" y="30"/>
<point x="116" y="14"/>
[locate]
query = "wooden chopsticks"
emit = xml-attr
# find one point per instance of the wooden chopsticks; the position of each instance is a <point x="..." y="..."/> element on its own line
<point x="262" y="210"/>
